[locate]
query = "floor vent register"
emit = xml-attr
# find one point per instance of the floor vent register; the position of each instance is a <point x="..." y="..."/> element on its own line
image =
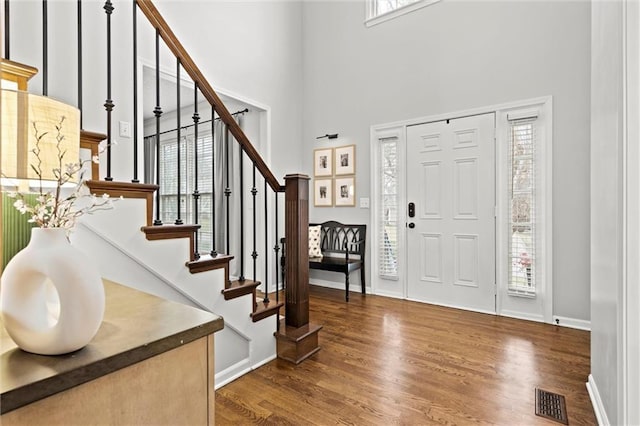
<point x="551" y="406"/>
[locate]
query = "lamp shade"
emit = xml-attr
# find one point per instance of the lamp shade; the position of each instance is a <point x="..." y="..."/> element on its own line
<point x="24" y="117"/>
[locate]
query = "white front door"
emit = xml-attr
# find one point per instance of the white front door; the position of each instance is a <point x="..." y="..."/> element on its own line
<point x="451" y="236"/>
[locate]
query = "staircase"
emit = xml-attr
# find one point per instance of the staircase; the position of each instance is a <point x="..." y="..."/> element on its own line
<point x="134" y="247"/>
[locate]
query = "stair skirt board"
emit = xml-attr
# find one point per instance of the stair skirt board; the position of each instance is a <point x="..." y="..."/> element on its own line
<point x="249" y="357"/>
<point x="238" y="370"/>
<point x="140" y="263"/>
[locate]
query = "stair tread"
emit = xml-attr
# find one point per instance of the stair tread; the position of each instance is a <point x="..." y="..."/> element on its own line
<point x="237" y="288"/>
<point x="125" y="189"/>
<point x="244" y="283"/>
<point x="206" y="262"/>
<point x="169" y="229"/>
<point x="264" y="310"/>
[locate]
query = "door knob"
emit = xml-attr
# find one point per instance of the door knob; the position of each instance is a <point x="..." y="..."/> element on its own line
<point x="412" y="225"/>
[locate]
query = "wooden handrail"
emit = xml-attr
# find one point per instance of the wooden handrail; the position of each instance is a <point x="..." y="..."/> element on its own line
<point x="158" y="22"/>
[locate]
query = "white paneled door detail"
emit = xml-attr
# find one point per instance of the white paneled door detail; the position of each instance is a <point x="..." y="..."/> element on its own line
<point x="451" y="234"/>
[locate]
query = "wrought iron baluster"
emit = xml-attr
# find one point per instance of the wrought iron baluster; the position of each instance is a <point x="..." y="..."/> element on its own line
<point x="157" y="111"/>
<point x="108" y="104"/>
<point x="135" y="93"/>
<point x="196" y="193"/>
<point x="79" y="8"/>
<point x="276" y="247"/>
<point x="7" y="29"/>
<point x="241" y="170"/>
<point x="45" y="48"/>
<point x="227" y="189"/>
<point x="254" y="253"/>
<point x="213" y="253"/>
<point x="179" y="137"/>
<point x="266" y="245"/>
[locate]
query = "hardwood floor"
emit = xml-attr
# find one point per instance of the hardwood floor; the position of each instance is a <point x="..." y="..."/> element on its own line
<point x="388" y="361"/>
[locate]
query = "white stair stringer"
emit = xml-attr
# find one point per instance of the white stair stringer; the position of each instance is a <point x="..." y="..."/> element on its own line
<point x="114" y="240"/>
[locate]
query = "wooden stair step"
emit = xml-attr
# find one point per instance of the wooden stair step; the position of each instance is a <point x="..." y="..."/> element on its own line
<point x="167" y="232"/>
<point x="239" y="288"/>
<point x="126" y="190"/>
<point x="207" y="263"/>
<point x="264" y="310"/>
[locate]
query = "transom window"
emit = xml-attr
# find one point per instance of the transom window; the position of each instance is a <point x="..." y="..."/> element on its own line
<point x="382" y="10"/>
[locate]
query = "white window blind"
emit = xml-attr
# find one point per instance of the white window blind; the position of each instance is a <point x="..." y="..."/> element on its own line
<point x="522" y="207"/>
<point x="388" y="224"/>
<point x="169" y="181"/>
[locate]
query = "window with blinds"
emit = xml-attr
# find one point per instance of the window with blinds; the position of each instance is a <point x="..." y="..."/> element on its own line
<point x="388" y="204"/>
<point x="522" y="207"/>
<point x="169" y="181"/>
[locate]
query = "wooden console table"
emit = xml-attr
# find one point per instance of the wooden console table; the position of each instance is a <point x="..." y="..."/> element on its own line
<point x="152" y="362"/>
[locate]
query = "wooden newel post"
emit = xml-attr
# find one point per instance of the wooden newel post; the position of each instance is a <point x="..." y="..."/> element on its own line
<point x="296" y="338"/>
<point x="296" y="234"/>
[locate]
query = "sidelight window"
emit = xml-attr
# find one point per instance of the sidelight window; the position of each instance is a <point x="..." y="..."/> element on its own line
<point x="522" y="207"/>
<point x="388" y="214"/>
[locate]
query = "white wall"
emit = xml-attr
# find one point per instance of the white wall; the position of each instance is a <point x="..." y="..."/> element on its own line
<point x="606" y="204"/>
<point x="451" y="56"/>
<point x="252" y="49"/>
<point x="615" y="192"/>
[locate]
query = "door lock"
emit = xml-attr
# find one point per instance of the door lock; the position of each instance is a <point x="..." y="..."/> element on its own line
<point x="412" y="225"/>
<point x="412" y="209"/>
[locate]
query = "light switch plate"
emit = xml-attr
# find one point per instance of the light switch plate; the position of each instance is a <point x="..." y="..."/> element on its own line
<point x="125" y="129"/>
<point x="364" y="203"/>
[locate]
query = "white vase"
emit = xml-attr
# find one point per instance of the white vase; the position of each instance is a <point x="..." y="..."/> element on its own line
<point x="51" y="295"/>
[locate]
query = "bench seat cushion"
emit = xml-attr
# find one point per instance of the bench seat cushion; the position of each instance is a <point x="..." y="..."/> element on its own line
<point x="335" y="264"/>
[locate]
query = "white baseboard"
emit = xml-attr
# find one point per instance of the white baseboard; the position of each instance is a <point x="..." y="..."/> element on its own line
<point x="238" y="370"/>
<point x="572" y="323"/>
<point x="522" y="316"/>
<point x="596" y="402"/>
<point x="338" y="285"/>
<point x="263" y="362"/>
<point x="387" y="294"/>
<point x="231" y="373"/>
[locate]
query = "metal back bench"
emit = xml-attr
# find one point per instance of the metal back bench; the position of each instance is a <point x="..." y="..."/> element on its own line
<point x="343" y="250"/>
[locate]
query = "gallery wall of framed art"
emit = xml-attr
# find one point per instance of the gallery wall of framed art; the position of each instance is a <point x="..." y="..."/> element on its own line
<point x="334" y="176"/>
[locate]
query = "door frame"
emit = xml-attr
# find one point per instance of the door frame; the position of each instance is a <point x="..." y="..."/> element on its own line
<point x="398" y="287"/>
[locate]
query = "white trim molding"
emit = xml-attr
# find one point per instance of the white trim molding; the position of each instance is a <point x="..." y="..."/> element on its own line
<point x="540" y="306"/>
<point x="542" y="106"/>
<point x="596" y="401"/>
<point x="629" y="346"/>
<point x="578" y="324"/>
<point x="388" y="286"/>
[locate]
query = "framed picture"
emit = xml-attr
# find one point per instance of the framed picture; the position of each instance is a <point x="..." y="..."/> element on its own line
<point x="345" y="160"/>
<point x="323" y="162"/>
<point x="323" y="193"/>
<point x="345" y="190"/>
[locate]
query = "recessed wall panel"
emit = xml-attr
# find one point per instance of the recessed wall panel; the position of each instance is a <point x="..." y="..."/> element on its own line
<point x="431" y="142"/>
<point x="431" y="202"/>
<point x="465" y="138"/>
<point x="465" y="260"/>
<point x="465" y="187"/>
<point x="431" y="257"/>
